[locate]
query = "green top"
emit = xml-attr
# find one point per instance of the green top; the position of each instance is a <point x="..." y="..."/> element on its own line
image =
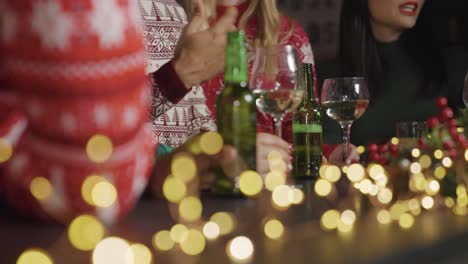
<point x="235" y="69"/>
<point x="400" y="98"/>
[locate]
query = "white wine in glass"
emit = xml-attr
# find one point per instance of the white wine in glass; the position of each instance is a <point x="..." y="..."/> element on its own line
<point x="345" y="100"/>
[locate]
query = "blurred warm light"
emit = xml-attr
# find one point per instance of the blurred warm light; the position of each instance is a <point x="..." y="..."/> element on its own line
<point x="85" y="232"/>
<point x="280" y="196"/>
<point x="420" y="182"/>
<point x="449" y="202"/>
<point x="276" y="163"/>
<point x="344" y="169"/>
<point x="381" y="180"/>
<point x="179" y="233"/>
<point x="425" y="161"/>
<point x="113" y="250"/>
<point x="343" y="227"/>
<point x="396" y="211"/>
<point x="274" y="179"/>
<point x="240" y="248"/>
<point x="322" y="170"/>
<point x="6" y="150"/>
<point x="163" y="240"/>
<point x="356" y="172"/>
<point x="460" y="210"/>
<point x="361" y="150"/>
<point x="194" y="244"/>
<point x="104" y="194"/>
<point x="460" y="130"/>
<point x="375" y="171"/>
<point x="415" y="153"/>
<point x="414" y="205"/>
<point x="440" y="172"/>
<point x="330" y="219"/>
<point x="427" y="202"/>
<point x="365" y="186"/>
<point x="273" y="229"/>
<point x="461" y="190"/>
<point x="466" y="155"/>
<point x="385" y="196"/>
<point x="183" y="167"/>
<point x="41" y="188"/>
<point x="88" y="186"/>
<point x="323" y="187"/>
<point x="332" y="173"/>
<point x="404" y="164"/>
<point x="211" y="230"/>
<point x="225" y="221"/>
<point x="406" y="221"/>
<point x="374" y="190"/>
<point x="384" y="217"/>
<point x="348" y="217"/>
<point x="99" y="148"/>
<point x="438" y="154"/>
<point x="140" y="253"/>
<point x="296" y="196"/>
<point x="395" y="141"/>
<point x="433" y="187"/>
<point x="174" y="189"/>
<point x="34" y="256"/>
<point x="211" y="143"/>
<point x="447" y="162"/>
<point x="190" y="209"/>
<point x="415" y="168"/>
<point x="250" y="183"/>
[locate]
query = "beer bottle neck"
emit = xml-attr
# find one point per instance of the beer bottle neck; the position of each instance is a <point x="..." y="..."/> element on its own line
<point x="309" y="91"/>
<point x="235" y="69"/>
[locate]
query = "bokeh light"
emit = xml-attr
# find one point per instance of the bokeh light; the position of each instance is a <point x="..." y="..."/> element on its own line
<point x="385" y="196"/>
<point x="406" y="221"/>
<point x="274" y="179"/>
<point x="280" y="196"/>
<point x="425" y="161"/>
<point x="6" y="150"/>
<point x="276" y="162"/>
<point x="225" y="221"/>
<point x="273" y="229"/>
<point x="250" y="183"/>
<point x="179" y="233"/>
<point x="211" y="230"/>
<point x="240" y="248"/>
<point x="384" y="217"/>
<point x="356" y="172"/>
<point x="466" y="155"/>
<point x="34" y="256"/>
<point x="183" y="167"/>
<point x="174" y="189"/>
<point x="88" y="186"/>
<point x="375" y="171"/>
<point x="415" y="153"/>
<point x="348" y="217"/>
<point x="104" y="194"/>
<point x="163" y="241"/>
<point x="449" y="202"/>
<point x="85" y="232"/>
<point x="190" y="209"/>
<point x="99" y="148"/>
<point x="330" y="220"/>
<point x="361" y="150"/>
<point x="433" y="187"/>
<point x="332" y="173"/>
<point x="211" y="143"/>
<point x="113" y="250"/>
<point x="415" y="168"/>
<point x="194" y="244"/>
<point x="140" y="253"/>
<point x="395" y="141"/>
<point x="365" y="186"/>
<point x="427" y="202"/>
<point x="343" y="227"/>
<point x="296" y="196"/>
<point x="41" y="188"/>
<point x="440" y="172"/>
<point x="323" y="187"/>
<point x="447" y="162"/>
<point x="438" y="154"/>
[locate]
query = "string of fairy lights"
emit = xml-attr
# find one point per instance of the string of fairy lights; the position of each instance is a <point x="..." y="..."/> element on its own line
<point x="425" y="170"/>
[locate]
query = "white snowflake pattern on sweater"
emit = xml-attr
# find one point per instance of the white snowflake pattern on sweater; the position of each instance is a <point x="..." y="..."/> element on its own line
<point x="108" y="22"/>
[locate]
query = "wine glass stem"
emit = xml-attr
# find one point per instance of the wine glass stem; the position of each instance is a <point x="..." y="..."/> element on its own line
<point x="278" y="125"/>
<point x="346" y="129"/>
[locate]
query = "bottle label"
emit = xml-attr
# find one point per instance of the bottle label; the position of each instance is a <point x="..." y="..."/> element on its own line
<point x="306" y="128"/>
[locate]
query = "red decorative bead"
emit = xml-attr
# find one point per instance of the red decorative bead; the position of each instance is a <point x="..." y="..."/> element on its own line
<point x="441" y="102"/>
<point x="375" y="156"/>
<point x="394" y="150"/>
<point x="453" y="132"/>
<point x="373" y="148"/>
<point x="452" y="153"/>
<point x="383" y="148"/>
<point x="460" y="138"/>
<point x="452" y="123"/>
<point x="447" y="113"/>
<point x="432" y="122"/>
<point x="448" y="145"/>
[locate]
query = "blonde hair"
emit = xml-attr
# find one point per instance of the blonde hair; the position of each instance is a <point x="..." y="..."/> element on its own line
<point x="268" y="20"/>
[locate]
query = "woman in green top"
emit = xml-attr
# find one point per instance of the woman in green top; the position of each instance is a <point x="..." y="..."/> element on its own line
<point x="406" y="69"/>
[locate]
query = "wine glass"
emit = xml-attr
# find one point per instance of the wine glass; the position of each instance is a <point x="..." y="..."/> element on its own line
<point x="465" y="91"/>
<point x="345" y="100"/>
<point x="277" y="79"/>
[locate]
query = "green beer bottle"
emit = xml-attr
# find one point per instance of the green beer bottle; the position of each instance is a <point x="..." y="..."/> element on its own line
<point x="236" y="116"/>
<point x="307" y="132"/>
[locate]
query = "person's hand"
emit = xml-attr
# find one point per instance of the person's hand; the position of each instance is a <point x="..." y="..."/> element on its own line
<point x="200" y="52"/>
<point x="336" y="157"/>
<point x="267" y="144"/>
